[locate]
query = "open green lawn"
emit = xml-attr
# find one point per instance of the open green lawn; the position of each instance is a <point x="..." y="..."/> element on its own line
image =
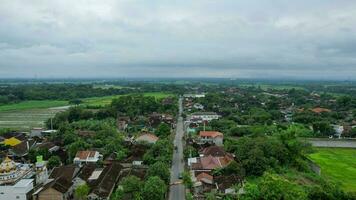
<point x="337" y="164"/>
<point x="106" y="100"/>
<point x="33" y="105"/>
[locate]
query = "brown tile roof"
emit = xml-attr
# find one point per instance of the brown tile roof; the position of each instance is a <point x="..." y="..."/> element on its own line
<point x="86" y="171"/>
<point x="63" y="177"/>
<point x="206" y="178"/>
<point x="104" y="185"/>
<point x="320" y="110"/>
<point x="214" y="151"/>
<point x="210" y="134"/>
<point x="85" y="154"/>
<point x="210" y="162"/>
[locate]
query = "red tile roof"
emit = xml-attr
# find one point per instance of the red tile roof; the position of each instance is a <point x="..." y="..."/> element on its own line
<point x="210" y="134"/>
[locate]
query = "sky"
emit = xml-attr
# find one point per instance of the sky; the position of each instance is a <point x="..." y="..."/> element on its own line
<point x="304" y="39"/>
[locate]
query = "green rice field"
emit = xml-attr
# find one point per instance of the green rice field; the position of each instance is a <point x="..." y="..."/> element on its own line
<point x="338" y="165"/>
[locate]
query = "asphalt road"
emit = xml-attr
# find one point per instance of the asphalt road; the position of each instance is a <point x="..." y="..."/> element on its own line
<point x="177" y="191"/>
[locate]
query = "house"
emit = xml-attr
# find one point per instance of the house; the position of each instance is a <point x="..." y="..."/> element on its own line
<point x="213" y="137"/>
<point x="86" y="133"/>
<point x="216" y="151"/>
<point x="198" y="106"/>
<point x="23" y="148"/>
<point x="319" y="110"/>
<point x="157" y="118"/>
<point x="19" y="190"/>
<point x="203" y="116"/>
<point x="59" y="185"/>
<point x="103" y="182"/>
<point x="48" y="145"/>
<point x="205" y="178"/>
<point x="208" y="163"/>
<point x="147" y="137"/>
<point x="87" y="157"/>
<point x="194" y="95"/>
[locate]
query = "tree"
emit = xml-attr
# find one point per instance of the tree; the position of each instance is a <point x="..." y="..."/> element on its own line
<point x="159" y="169"/>
<point x="154" y="189"/>
<point x="163" y="130"/>
<point x="81" y="192"/>
<point x="75" y="101"/>
<point x="187" y="180"/>
<point x="275" y="187"/>
<point x="53" y="161"/>
<point x="131" y="186"/>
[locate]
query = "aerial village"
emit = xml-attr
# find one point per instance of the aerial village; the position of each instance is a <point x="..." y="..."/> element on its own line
<point x="85" y="154"/>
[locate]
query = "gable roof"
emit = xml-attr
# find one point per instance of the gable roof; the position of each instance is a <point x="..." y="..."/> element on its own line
<point x="82" y="155"/>
<point x="212" y="134"/>
<point x="104" y="185"/>
<point x="214" y="151"/>
<point x="23" y="148"/>
<point x="12" y="141"/>
<point x="205" y="178"/>
<point x="61" y="178"/>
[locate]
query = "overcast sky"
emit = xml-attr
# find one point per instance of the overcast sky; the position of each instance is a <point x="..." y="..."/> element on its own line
<point x="193" y="38"/>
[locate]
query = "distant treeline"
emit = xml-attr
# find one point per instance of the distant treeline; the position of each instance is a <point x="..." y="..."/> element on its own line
<point x="18" y="93"/>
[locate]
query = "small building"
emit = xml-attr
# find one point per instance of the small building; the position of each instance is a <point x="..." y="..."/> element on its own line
<point x="194" y="95"/>
<point x="216" y="151"/>
<point x="59" y="185"/>
<point x="103" y="182"/>
<point x="19" y="190"/>
<point x="198" y="106"/>
<point x="87" y="157"/>
<point x="208" y="163"/>
<point x="213" y="137"/>
<point x="147" y="137"/>
<point x="36" y="132"/>
<point x="201" y="117"/>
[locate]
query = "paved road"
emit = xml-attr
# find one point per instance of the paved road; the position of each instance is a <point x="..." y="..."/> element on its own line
<point x="177" y="191"/>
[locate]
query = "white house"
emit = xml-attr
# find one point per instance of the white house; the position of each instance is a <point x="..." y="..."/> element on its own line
<point x="214" y="137"/>
<point x="87" y="157"/>
<point x="18" y="191"/>
<point x="194" y="95"/>
<point x="203" y="116"/>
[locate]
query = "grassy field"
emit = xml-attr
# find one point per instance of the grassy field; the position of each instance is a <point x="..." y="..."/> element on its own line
<point x="26" y="105"/>
<point x="26" y="119"/>
<point x="337" y="164"/>
<point x="106" y="100"/>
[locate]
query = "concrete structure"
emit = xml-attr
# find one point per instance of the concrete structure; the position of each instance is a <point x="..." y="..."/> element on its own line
<point x="17" y="191"/>
<point x="11" y="172"/>
<point x="87" y="157"/>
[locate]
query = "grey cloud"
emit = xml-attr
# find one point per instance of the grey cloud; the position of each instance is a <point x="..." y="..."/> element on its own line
<point x="178" y="38"/>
